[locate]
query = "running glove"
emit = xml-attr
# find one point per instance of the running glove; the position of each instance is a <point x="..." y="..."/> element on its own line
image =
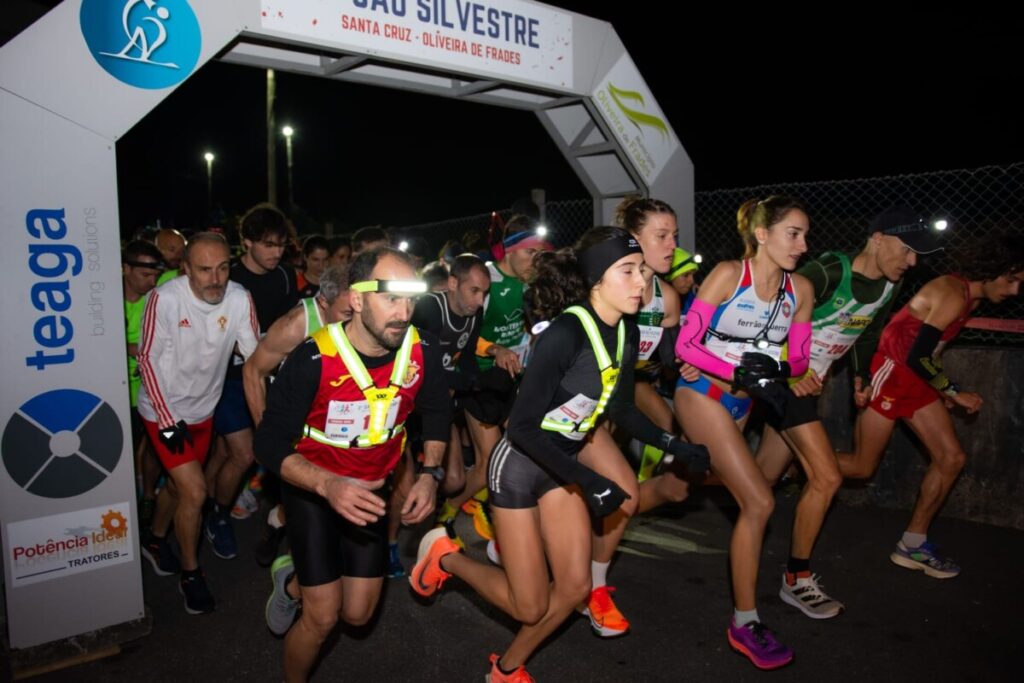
<point x="603" y="496"/>
<point x="694" y="457"/>
<point x="763" y="377"/>
<point x="174" y="436"/>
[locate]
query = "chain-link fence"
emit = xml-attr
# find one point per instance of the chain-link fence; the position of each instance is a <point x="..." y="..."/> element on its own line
<point x="972" y="201"/>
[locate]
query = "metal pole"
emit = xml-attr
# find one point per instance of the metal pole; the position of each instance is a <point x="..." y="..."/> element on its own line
<point x="291" y="192"/>
<point x="271" y="140"/>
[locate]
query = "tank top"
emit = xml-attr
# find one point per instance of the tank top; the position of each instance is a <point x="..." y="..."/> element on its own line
<point x="899" y="335"/>
<point x="503" y="316"/>
<point x="744" y="322"/>
<point x="648" y="319"/>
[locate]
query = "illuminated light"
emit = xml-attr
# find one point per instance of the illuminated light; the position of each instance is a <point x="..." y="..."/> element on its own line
<point x="941" y="224"/>
<point x="697" y="258"/>
<point x="288" y="131"/>
<point x="209" y="157"/>
<point x="542" y="231"/>
<point x="403" y="245"/>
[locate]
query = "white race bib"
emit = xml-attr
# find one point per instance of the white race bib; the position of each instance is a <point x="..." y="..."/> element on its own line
<point x="650" y="337"/>
<point x="734" y="351"/>
<point x="572" y="412"/>
<point x="347" y="420"/>
<point x="827" y="346"/>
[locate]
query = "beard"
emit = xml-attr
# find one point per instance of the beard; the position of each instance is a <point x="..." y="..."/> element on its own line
<point x="388" y="335"/>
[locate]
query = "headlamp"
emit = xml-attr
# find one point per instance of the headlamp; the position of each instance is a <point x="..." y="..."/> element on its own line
<point x="406" y="287"/>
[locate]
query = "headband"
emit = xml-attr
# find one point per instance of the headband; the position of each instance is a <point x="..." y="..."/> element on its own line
<point x="600" y="257"/>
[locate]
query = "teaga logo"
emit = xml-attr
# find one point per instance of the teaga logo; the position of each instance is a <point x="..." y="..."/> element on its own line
<point x="62" y="443"/>
<point x="148" y="44"/>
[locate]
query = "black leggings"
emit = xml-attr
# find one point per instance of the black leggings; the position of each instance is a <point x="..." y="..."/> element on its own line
<point x="326" y="546"/>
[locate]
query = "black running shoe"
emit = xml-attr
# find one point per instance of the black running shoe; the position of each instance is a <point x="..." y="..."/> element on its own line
<point x="160" y="555"/>
<point x="198" y="599"/>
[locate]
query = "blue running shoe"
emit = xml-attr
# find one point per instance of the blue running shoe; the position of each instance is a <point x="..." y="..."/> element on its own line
<point x="926" y="558"/>
<point x="395" y="568"/>
<point x="220" y="534"/>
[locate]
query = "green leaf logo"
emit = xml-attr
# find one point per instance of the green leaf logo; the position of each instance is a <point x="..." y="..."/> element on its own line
<point x="637" y="118"/>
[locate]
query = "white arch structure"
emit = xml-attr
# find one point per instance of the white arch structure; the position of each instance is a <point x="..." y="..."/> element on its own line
<point x="64" y="104"/>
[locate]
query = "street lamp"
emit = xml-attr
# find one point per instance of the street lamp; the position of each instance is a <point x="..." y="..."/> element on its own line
<point x="288" y="131"/>
<point x="209" y="178"/>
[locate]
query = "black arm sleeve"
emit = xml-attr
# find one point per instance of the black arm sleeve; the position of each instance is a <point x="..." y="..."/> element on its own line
<point x="432" y="402"/>
<point x="288" y="402"/>
<point x="920" y="358"/>
<point x="866" y="344"/>
<point x="557" y="347"/>
<point x="622" y="408"/>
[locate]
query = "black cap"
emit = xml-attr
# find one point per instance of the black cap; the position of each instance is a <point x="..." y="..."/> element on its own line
<point x="908" y="226"/>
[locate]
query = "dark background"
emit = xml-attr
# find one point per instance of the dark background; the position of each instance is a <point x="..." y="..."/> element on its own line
<point x="756" y="95"/>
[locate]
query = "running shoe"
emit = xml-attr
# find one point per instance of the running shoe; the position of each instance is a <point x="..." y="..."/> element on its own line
<point x="220" y="534"/>
<point x="446" y="513"/>
<point x="245" y="505"/>
<point x="395" y="568"/>
<point x="757" y="642"/>
<point x="160" y="555"/>
<point x="281" y="607"/>
<point x="256" y="481"/>
<point x="198" y="599"/>
<point x="520" y="675"/>
<point x="494" y="552"/>
<point x="482" y="522"/>
<point x="605" y="618"/>
<point x="925" y="558"/>
<point x="427" y="577"/>
<point x="470" y="506"/>
<point x="808" y="596"/>
<point x="449" y="528"/>
<point x="266" y="549"/>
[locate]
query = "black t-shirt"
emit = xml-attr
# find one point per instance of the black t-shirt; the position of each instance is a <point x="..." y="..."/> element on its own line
<point x="457" y="336"/>
<point x="292" y="392"/>
<point x="562" y="365"/>
<point x="274" y="293"/>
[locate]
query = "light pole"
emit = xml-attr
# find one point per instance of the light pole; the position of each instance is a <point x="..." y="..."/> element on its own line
<point x="288" y="132"/>
<point x="209" y="178"/>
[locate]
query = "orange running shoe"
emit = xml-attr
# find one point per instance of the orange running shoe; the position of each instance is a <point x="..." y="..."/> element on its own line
<point x="470" y="506"/>
<point x="605" y="618"/>
<point x="427" y="577"/>
<point x="520" y="675"/>
<point x="482" y="522"/>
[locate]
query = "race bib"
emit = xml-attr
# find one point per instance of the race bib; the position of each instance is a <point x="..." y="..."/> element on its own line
<point x="734" y="351"/>
<point x="348" y="420"/>
<point x="650" y="337"/>
<point x="572" y="412"/>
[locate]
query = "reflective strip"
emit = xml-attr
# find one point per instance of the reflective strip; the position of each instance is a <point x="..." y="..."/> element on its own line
<point x="609" y="373"/>
<point x="320" y="437"/>
<point x="314" y="323"/>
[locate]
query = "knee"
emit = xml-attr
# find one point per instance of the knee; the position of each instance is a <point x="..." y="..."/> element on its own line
<point x="826" y="480"/>
<point x="320" y="622"/>
<point x="632" y="489"/>
<point x="454" y="480"/>
<point x="759" y="504"/>
<point x="529" y="612"/>
<point x="192" y="494"/>
<point x="951" y="462"/>
<point x="358" y="615"/>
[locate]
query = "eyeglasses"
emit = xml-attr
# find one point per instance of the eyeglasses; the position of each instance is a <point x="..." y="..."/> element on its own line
<point x="151" y="265"/>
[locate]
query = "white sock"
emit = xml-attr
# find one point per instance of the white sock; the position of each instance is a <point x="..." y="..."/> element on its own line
<point x="912" y="540"/>
<point x="744" y="617"/>
<point x="274" y="517"/>
<point x="599" y="574"/>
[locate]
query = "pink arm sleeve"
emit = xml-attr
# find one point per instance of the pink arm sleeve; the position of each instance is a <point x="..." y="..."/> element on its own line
<point x="690" y="348"/>
<point x="799" y="348"/>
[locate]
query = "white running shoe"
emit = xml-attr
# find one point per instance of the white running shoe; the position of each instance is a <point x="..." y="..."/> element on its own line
<point x="808" y="597"/>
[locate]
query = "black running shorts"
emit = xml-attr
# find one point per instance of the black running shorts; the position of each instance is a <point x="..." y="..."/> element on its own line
<point x="799" y="411"/>
<point x="325" y="546"/>
<point x="514" y="480"/>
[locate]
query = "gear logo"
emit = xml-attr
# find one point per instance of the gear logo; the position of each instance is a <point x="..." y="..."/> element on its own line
<point x="114" y="524"/>
<point x="148" y="44"/>
<point x="62" y="443"/>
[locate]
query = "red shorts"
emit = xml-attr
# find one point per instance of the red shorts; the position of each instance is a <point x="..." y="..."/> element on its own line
<point x="896" y="391"/>
<point x="194" y="452"/>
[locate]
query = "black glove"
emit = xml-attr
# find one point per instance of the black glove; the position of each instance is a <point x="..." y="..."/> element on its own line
<point x="764" y="378"/>
<point x="694" y="457"/>
<point x="603" y="496"/>
<point x="173" y="437"/>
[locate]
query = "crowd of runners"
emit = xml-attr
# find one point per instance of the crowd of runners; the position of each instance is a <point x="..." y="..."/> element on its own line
<point x="359" y="394"/>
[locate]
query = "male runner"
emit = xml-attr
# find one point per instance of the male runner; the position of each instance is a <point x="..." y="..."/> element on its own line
<point x="171" y="244"/>
<point x="333" y="430"/>
<point x="909" y="384"/>
<point x="190" y="327"/>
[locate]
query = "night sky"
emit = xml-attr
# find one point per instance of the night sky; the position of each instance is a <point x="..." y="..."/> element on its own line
<point x="756" y="97"/>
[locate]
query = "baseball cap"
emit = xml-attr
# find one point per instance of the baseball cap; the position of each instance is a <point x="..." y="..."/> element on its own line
<point x="908" y="226"/>
<point x="682" y="262"/>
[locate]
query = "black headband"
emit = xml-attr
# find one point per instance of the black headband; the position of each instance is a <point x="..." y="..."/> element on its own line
<point x="599" y="258"/>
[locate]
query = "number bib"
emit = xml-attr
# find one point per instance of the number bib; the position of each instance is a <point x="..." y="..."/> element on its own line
<point x="650" y="337"/>
<point x="572" y="412"/>
<point x="348" y="420"/>
<point x="827" y="346"/>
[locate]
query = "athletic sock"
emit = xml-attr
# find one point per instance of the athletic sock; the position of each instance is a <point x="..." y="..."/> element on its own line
<point x="599" y="574"/>
<point x="274" y="517"/>
<point x="797" y="567"/>
<point x="744" y="617"/>
<point x="507" y="672"/>
<point x="912" y="540"/>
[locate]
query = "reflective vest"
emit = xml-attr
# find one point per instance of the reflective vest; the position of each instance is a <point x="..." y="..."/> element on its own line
<point x="356" y="423"/>
<point x="609" y="376"/>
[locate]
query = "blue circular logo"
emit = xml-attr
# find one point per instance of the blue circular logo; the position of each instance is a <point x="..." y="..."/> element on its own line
<point x="145" y="43"/>
<point x="62" y="443"/>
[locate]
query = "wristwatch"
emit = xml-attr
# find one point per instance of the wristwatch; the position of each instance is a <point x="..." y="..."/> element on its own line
<point x="436" y="471"/>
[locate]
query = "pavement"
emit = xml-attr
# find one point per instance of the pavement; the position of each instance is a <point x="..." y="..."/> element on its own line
<point x="672" y="584"/>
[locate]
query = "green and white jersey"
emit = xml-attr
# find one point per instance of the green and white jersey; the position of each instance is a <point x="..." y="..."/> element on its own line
<point x="838" y="321"/>
<point x="503" y="321"/>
